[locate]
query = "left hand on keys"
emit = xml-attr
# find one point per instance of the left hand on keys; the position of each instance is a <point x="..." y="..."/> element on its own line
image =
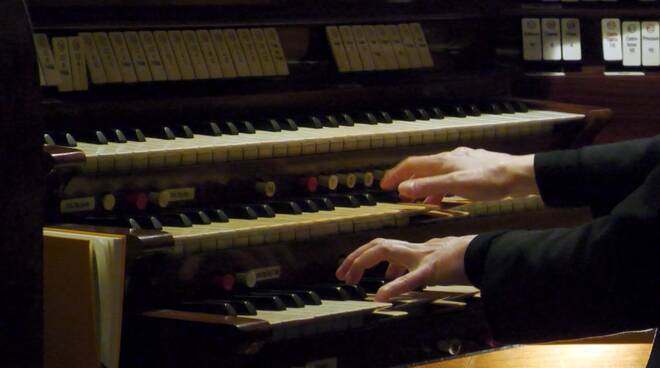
<point x="436" y="261"/>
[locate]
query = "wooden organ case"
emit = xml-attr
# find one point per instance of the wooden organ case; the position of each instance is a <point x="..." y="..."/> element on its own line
<point x="235" y="147"/>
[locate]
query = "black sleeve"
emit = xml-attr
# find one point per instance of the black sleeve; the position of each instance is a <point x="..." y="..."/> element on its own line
<point x="601" y="277"/>
<point x="596" y="176"/>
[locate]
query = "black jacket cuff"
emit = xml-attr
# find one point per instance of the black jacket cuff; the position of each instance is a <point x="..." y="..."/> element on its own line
<point x="558" y="176"/>
<point x="476" y="255"/>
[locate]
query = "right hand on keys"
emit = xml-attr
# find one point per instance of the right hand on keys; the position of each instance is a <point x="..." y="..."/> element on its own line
<point x="411" y="265"/>
<point x="471" y="173"/>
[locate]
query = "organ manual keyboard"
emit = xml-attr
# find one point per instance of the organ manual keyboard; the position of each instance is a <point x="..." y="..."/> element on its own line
<point x="211" y="162"/>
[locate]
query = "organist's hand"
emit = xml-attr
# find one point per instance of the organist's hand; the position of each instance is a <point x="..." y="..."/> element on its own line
<point x="437" y="261"/>
<point x="471" y="173"/>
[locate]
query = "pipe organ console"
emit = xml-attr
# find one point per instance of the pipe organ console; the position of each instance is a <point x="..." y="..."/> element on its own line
<point x="218" y="158"/>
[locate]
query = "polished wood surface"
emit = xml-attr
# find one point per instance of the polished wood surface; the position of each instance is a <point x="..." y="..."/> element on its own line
<point x="620" y="351"/>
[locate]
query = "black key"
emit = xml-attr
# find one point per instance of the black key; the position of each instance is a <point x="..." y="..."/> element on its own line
<point x="520" y="106"/>
<point x="366" y="199"/>
<point x="198" y="217"/>
<point x="288" y="124"/>
<point x="366" y="118"/>
<point x="330" y="121"/>
<point x="245" y="127"/>
<point x="241" y="212"/>
<point x="492" y="108"/>
<point x="507" y="107"/>
<point x="162" y="132"/>
<point x="307" y="205"/>
<point x="406" y="114"/>
<point x="216" y="215"/>
<point x="242" y="307"/>
<point x="263" y="210"/>
<point x="324" y="203"/>
<point x="311" y="122"/>
<point x="345" y="120"/>
<point x="331" y="292"/>
<point x="135" y="135"/>
<point x="436" y="113"/>
<point x="182" y="131"/>
<point x="92" y="136"/>
<point x="386" y="196"/>
<point x="371" y="285"/>
<point x="355" y="292"/>
<point x="109" y="221"/>
<point x="148" y="222"/>
<point x="455" y="111"/>
<point x="384" y="117"/>
<point x="263" y="302"/>
<point x="175" y="219"/>
<point x="344" y="200"/>
<point x="421" y="114"/>
<point x="270" y="125"/>
<point x="116" y="136"/>
<point x="286" y="207"/>
<point x="63" y="139"/>
<point x="48" y="140"/>
<point x="214" y="307"/>
<point x="472" y="110"/>
<point x="291" y="300"/>
<point x="208" y="128"/>
<point x="308" y="296"/>
<point x="228" y="127"/>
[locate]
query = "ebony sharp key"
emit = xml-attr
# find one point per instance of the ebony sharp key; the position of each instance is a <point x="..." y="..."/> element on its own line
<point x="263" y="210"/>
<point x="421" y="114"/>
<point x="241" y="212"/>
<point x="135" y="135"/>
<point x="270" y="125"/>
<point x="366" y="199"/>
<point x="291" y="300"/>
<point x="115" y="136"/>
<point x="454" y="111"/>
<point x="371" y="285"/>
<point x="242" y="307"/>
<point x="113" y="221"/>
<point x="245" y="126"/>
<point x="436" y="113"/>
<point x="214" y="307"/>
<point x="520" y="106"/>
<point x="175" y="220"/>
<point x="307" y="205"/>
<point x="406" y="114"/>
<point x="330" y="121"/>
<point x="92" y="136"/>
<point x="182" y="131"/>
<point x="324" y="203"/>
<point x="198" y="217"/>
<point x="228" y="127"/>
<point x="507" y="107"/>
<point x="366" y="118"/>
<point x="216" y="215"/>
<point x="344" y="200"/>
<point x="386" y="196"/>
<point x="384" y="117"/>
<point x="492" y="108"/>
<point x="62" y="139"/>
<point x="355" y="292"/>
<point x="263" y="302"/>
<point x="331" y="292"/>
<point x="148" y="222"/>
<point x="288" y="124"/>
<point x="48" y="140"/>
<point x="286" y="207"/>
<point x="160" y="132"/>
<point x="310" y="297"/>
<point x="208" y="128"/>
<point x="346" y="120"/>
<point x="311" y="122"/>
<point x="472" y="110"/>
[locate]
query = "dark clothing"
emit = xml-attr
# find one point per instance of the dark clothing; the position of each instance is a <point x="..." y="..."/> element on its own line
<point x="598" y="278"/>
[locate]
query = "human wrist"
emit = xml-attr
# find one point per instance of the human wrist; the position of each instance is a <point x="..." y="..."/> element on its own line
<point x="522" y="176"/>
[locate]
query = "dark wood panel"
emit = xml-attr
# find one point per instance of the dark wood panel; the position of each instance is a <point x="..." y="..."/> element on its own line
<point x="21" y="195"/>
